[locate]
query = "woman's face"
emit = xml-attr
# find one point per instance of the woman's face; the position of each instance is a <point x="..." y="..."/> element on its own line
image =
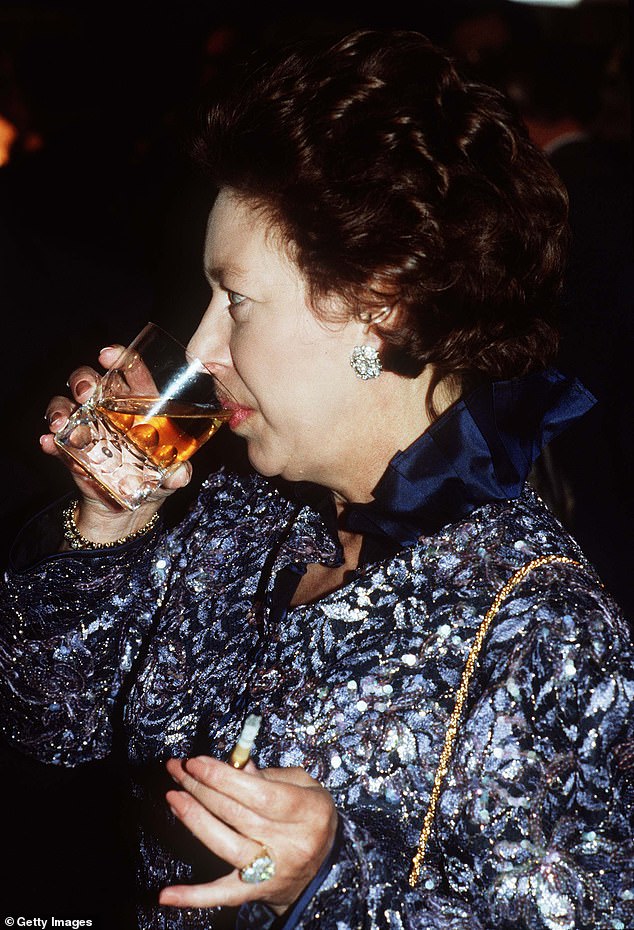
<point x="302" y="410"/>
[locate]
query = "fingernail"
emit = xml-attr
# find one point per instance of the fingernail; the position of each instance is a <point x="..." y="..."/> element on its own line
<point x="82" y="386"/>
<point x="105" y="349"/>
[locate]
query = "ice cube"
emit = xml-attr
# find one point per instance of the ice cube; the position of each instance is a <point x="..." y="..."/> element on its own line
<point x="145" y="437"/>
<point x="165" y="456"/>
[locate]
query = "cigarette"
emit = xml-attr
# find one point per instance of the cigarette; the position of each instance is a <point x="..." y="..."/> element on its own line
<point x="242" y="749"/>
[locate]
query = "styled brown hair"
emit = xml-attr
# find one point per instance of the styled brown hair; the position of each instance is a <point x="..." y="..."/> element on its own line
<point x="399" y="183"/>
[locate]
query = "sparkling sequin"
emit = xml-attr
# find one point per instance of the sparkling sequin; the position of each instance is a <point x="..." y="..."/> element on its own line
<point x="532" y="823"/>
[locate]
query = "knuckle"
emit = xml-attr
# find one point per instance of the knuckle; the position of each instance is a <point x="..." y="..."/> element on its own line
<point x="57" y="402"/>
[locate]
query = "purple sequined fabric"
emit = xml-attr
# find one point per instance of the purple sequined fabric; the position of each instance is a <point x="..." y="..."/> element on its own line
<point x="534" y="824"/>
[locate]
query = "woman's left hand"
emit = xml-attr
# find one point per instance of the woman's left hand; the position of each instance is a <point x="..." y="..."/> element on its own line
<point x="236" y="813"/>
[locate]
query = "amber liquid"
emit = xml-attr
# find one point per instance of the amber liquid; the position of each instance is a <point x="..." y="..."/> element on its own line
<point x="167" y="438"/>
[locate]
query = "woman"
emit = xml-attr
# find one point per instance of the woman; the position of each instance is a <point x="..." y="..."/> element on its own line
<point x="384" y="254"/>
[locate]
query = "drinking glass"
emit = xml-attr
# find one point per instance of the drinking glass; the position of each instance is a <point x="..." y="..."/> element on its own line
<point x="150" y="412"/>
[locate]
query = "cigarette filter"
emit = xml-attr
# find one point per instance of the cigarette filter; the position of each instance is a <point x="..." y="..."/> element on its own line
<point x="242" y="749"/>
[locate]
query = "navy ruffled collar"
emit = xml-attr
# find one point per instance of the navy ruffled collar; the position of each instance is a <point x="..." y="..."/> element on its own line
<point x="480" y="450"/>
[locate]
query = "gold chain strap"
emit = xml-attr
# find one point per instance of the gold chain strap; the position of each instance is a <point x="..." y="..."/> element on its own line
<point x="461" y="696"/>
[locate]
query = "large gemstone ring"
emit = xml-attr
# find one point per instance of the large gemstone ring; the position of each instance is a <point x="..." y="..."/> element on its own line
<point x="259" y="870"/>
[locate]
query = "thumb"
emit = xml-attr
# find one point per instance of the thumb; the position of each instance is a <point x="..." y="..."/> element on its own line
<point x="180" y="478"/>
<point x="252" y="769"/>
<point x="293" y="775"/>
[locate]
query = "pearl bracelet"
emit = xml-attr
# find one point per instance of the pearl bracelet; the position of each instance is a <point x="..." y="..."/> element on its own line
<point x="76" y="541"/>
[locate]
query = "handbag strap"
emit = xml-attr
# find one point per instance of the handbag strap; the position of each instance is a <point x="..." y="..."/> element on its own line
<point x="461" y="697"/>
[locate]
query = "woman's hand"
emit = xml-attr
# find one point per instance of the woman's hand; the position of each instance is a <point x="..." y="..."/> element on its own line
<point x="100" y="518"/>
<point x="236" y="813"/>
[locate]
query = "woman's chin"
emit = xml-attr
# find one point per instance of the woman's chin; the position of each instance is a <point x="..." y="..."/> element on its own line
<point x="270" y="465"/>
<point x="266" y="465"/>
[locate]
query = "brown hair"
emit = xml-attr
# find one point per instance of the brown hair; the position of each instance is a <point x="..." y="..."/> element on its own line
<point x="399" y="183"/>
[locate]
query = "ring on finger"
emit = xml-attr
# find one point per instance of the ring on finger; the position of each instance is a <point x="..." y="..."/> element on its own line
<point x="259" y="869"/>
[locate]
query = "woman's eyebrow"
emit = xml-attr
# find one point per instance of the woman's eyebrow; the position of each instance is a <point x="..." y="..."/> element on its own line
<point x="218" y="273"/>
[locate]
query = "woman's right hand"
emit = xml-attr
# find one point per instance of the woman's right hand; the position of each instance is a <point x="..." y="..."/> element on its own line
<point x="100" y="518"/>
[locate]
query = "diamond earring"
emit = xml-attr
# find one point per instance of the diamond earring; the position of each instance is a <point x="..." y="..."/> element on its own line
<point x="365" y="362"/>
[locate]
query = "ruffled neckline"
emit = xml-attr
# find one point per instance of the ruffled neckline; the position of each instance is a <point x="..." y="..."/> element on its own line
<point x="479" y="451"/>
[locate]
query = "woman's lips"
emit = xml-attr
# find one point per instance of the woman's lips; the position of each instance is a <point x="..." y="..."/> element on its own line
<point x="238" y="416"/>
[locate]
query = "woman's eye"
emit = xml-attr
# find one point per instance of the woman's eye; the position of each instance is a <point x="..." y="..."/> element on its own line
<point x="235" y="299"/>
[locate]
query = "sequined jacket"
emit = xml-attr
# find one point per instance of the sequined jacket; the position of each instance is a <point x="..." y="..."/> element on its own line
<point x="162" y="646"/>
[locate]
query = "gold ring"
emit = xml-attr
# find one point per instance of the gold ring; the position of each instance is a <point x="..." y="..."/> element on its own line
<point x="259" y="869"/>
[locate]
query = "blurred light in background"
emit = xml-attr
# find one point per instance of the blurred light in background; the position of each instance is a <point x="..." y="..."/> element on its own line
<point x="8" y="135"/>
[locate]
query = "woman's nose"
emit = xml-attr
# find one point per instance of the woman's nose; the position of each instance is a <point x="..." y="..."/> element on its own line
<point x="210" y="342"/>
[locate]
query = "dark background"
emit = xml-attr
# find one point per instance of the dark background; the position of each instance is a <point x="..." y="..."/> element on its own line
<point x="102" y="215"/>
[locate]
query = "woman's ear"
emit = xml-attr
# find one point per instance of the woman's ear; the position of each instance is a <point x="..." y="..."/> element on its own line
<point x="373" y="318"/>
